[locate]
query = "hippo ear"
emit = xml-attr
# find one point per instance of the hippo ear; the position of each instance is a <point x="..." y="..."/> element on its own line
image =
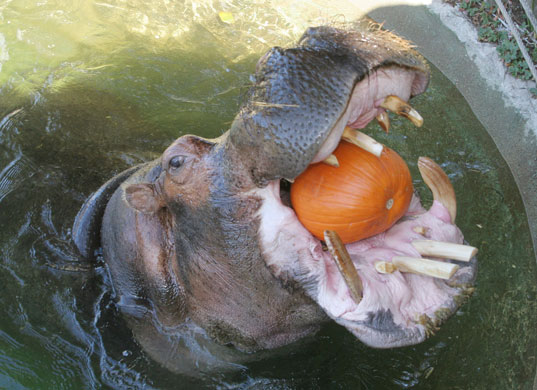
<point x="143" y="197"/>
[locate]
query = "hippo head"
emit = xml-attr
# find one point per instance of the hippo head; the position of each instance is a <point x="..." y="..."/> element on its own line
<point x="243" y="266"/>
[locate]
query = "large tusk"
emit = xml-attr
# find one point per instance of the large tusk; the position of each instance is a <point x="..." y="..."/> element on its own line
<point x="398" y="106"/>
<point x="384" y="121"/>
<point x="362" y="141"/>
<point x="332" y="161"/>
<point x="439" y="184"/>
<point x="436" y="269"/>
<point x="344" y="263"/>
<point x="444" y="250"/>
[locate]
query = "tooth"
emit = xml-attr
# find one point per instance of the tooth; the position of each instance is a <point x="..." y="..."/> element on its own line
<point x="384" y="267"/>
<point x="444" y="250"/>
<point x="362" y="140"/>
<point x="384" y="121"/>
<point x="398" y="106"/>
<point x="344" y="263"/>
<point x="436" y="269"/>
<point x="332" y="161"/>
<point x="290" y="180"/>
<point x="439" y="184"/>
<point x="420" y="230"/>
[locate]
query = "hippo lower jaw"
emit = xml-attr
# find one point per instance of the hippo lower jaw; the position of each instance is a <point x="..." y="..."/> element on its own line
<point x="395" y="309"/>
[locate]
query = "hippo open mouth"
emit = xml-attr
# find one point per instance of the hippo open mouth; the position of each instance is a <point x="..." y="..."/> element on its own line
<point x="379" y="288"/>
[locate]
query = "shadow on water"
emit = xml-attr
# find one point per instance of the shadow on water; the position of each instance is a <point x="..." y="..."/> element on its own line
<point x="68" y="126"/>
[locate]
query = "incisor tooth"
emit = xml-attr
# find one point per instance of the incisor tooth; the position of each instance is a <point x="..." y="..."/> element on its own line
<point x="384" y="267"/>
<point x="362" y="141"/>
<point x="444" y="250"/>
<point x="332" y="161"/>
<point x="398" y="106"/>
<point x="437" y="269"/>
<point x="420" y="230"/>
<point x="344" y="263"/>
<point x="384" y="121"/>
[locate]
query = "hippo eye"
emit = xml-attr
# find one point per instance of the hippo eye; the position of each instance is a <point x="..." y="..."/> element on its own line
<point x="177" y="161"/>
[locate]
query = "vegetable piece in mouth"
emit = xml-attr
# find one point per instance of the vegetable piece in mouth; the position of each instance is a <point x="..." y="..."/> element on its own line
<point x="362" y="197"/>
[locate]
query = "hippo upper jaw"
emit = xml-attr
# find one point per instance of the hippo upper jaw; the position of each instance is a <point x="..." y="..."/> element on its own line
<point x="304" y="97"/>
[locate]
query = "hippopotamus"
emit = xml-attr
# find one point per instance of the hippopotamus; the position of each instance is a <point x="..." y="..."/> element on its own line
<point x="203" y="244"/>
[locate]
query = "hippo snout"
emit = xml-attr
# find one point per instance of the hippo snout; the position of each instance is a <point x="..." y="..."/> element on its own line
<point x="306" y="95"/>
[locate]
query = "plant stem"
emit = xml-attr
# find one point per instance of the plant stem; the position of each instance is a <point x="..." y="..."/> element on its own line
<point x="515" y="33"/>
<point x="529" y="14"/>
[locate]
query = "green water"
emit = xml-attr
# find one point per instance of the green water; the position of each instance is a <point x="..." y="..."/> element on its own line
<point x="89" y="88"/>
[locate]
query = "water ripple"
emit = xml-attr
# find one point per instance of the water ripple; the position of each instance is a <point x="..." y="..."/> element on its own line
<point x="4" y="337"/>
<point x="4" y="123"/>
<point x="14" y="174"/>
<point x="4" y="55"/>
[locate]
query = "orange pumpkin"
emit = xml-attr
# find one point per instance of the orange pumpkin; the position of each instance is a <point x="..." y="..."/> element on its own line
<point x="364" y="196"/>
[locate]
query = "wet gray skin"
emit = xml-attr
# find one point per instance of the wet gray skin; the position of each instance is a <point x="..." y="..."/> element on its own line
<point x="182" y="236"/>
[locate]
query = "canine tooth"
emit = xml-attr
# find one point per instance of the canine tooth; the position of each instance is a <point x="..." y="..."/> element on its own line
<point x="383" y="267"/>
<point x="436" y="269"/>
<point x="332" y="161"/>
<point x="439" y="184"/>
<point x="344" y="263"/>
<point x="362" y="141"/>
<point x="290" y="180"/>
<point x="444" y="250"/>
<point x="398" y="106"/>
<point x="420" y="230"/>
<point x="384" y="121"/>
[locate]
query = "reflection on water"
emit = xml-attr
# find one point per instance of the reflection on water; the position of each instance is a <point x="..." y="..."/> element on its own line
<point x="88" y="88"/>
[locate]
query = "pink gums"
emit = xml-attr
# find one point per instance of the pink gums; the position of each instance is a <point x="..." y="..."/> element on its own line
<point x="406" y="295"/>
